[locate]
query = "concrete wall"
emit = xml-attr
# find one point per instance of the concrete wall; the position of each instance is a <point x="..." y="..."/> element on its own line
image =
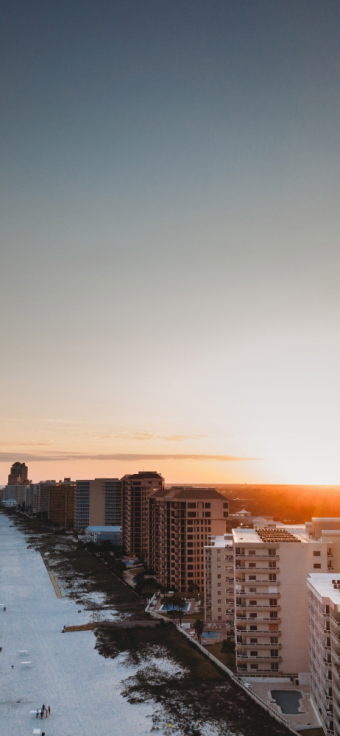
<point x="296" y="561"/>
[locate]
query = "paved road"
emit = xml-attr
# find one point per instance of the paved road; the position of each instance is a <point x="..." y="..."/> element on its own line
<point x="67" y="673"/>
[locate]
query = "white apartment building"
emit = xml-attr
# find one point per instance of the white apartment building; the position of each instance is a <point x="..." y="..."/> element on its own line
<point x="324" y="634"/>
<point x="219" y="580"/>
<point x="271" y="600"/>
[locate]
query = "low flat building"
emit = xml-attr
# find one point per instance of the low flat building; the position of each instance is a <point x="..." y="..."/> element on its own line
<point x="100" y="534"/>
<point x="219" y="580"/>
<point x="324" y="636"/>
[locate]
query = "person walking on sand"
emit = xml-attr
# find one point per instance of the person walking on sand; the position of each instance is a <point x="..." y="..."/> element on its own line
<point x="49" y="710"/>
<point x="37" y="713"/>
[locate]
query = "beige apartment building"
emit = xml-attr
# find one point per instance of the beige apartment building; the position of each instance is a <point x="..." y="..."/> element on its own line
<point x="324" y="634"/>
<point x="98" y="502"/>
<point x="271" y="601"/>
<point x="219" y="580"/>
<point x="136" y="490"/>
<point x="180" y="521"/>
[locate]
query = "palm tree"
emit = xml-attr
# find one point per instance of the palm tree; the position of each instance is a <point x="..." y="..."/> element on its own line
<point x="228" y="648"/>
<point x="180" y="602"/>
<point x="199" y="626"/>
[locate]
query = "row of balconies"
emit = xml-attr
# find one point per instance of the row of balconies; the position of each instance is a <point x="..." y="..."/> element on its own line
<point x="259" y="658"/>
<point x="253" y="558"/>
<point x="264" y="645"/>
<point x="257" y="594"/>
<point x="257" y="569"/>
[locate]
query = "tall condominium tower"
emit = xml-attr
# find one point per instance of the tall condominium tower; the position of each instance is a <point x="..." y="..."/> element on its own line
<point x="18" y="474"/>
<point x="271" y="602"/>
<point x="136" y="490"/>
<point x="98" y="503"/>
<point x="324" y="636"/>
<point x="181" y="519"/>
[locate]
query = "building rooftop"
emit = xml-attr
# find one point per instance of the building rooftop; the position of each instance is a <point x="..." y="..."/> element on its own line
<point x="220" y="541"/>
<point x="281" y="533"/>
<point x="326" y="586"/>
<point x="195" y="494"/>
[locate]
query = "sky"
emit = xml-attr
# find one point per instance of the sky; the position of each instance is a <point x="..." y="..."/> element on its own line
<point x="169" y="230"/>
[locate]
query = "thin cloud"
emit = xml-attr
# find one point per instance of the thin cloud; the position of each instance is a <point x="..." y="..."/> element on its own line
<point x="9" y="457"/>
<point x="147" y="436"/>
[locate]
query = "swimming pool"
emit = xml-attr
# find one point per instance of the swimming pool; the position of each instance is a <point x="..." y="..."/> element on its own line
<point x="210" y="635"/>
<point x="173" y="607"/>
<point x="288" y="700"/>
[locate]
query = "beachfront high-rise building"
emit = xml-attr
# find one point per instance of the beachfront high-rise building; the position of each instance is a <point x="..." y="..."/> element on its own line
<point x="18" y="474"/>
<point x="136" y="490"/>
<point x="271" y="601"/>
<point x="61" y="499"/>
<point x="219" y="580"/>
<point x="98" y="502"/>
<point x="180" y="521"/>
<point x="324" y="635"/>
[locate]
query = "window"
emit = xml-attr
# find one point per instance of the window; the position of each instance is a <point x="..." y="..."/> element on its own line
<point x="253" y="641"/>
<point x="225" y="505"/>
<point x="273" y="601"/>
<point x="252" y="564"/>
<point x="219" y="618"/>
<point x="253" y="603"/>
<point x="190" y="536"/>
<point x="252" y="577"/>
<point x="252" y="590"/>
<point x="317" y="566"/>
<point x="192" y="513"/>
<point x="253" y="628"/>
<point x="253" y="654"/>
<point x="274" y="640"/>
<point x="272" y="552"/>
<point x="274" y="652"/>
<point x="190" y="574"/>
<point x="225" y="514"/>
<point x="254" y="666"/>
<point x="207" y="514"/>
<point x="191" y="505"/>
<point x="316" y="554"/>
<point x="207" y="505"/>
<point x="253" y="615"/>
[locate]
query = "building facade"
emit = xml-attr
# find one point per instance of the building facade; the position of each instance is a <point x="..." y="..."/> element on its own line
<point x="324" y="635"/>
<point x="61" y="503"/>
<point x="98" y="502"/>
<point x="136" y="491"/>
<point x="271" y="603"/>
<point x="180" y="521"/>
<point x="219" y="580"/>
<point x="18" y="474"/>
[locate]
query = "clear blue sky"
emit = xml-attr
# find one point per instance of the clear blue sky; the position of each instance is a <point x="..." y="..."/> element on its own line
<point x="170" y="238"/>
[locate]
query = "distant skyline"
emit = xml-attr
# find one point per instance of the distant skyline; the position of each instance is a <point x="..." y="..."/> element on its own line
<point x="169" y="224"/>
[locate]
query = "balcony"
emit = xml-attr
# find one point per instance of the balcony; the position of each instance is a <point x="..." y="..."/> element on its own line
<point x="261" y="607"/>
<point x="257" y="594"/>
<point x="257" y="569"/>
<point x="258" y="620"/>
<point x="264" y="645"/>
<point x="254" y="558"/>
<point x="257" y="582"/>
<point x="259" y="658"/>
<point x="259" y="632"/>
